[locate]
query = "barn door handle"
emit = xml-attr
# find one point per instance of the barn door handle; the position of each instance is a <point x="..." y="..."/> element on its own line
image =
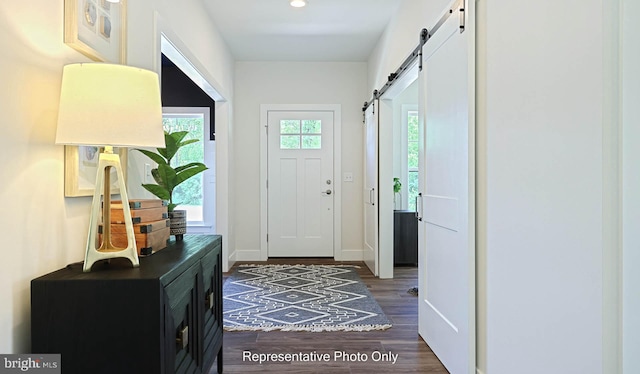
<point x="372" y="196"/>
<point x="418" y="206"/>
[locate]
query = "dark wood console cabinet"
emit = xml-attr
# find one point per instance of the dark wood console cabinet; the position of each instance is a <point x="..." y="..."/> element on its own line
<point x="162" y="317"/>
<point x="405" y="238"/>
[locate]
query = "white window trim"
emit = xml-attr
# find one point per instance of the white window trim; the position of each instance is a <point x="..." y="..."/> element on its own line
<point x="207" y="225"/>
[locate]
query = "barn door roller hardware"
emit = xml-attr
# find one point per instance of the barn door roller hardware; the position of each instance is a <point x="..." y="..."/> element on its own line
<point x="393" y="77"/>
<point x="366" y="105"/>
<point x="425" y="35"/>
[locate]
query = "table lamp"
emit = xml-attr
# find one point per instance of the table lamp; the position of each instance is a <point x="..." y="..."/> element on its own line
<point x="108" y="105"/>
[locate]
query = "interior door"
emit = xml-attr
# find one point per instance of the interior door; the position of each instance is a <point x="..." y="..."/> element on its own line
<point x="446" y="205"/>
<point x="300" y="184"/>
<point x="370" y="193"/>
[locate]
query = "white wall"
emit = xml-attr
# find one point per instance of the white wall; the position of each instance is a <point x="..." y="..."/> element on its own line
<point x="43" y="230"/>
<point x="40" y="233"/>
<point x="540" y="127"/>
<point x="295" y="83"/>
<point x="631" y="186"/>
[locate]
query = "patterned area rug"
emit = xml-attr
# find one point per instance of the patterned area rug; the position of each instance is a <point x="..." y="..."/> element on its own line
<point x="299" y="298"/>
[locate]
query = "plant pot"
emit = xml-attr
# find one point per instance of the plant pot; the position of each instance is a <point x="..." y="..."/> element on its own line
<point x="178" y="221"/>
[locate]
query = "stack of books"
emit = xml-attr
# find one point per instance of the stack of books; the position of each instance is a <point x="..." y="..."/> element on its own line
<point x="150" y="225"/>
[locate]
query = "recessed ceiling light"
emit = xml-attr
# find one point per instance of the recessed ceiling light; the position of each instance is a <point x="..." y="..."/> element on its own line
<point x="113" y="1"/>
<point x="298" y="3"/>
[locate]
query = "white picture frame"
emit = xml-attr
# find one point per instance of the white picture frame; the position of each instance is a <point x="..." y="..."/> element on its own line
<point x="97" y="29"/>
<point x="81" y="166"/>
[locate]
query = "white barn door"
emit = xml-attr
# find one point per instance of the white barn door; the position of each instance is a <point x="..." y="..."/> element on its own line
<point x="370" y="193"/>
<point x="447" y="188"/>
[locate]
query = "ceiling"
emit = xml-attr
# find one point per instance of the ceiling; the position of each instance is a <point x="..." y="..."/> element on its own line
<point x="324" y="30"/>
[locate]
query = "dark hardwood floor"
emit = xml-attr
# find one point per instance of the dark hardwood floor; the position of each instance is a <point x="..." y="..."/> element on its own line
<point x="414" y="355"/>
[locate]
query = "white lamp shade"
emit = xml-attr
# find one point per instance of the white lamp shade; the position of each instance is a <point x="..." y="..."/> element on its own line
<point x="110" y="105"/>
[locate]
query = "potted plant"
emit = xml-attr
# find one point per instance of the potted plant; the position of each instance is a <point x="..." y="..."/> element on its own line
<point x="168" y="177"/>
<point x="397" y="187"/>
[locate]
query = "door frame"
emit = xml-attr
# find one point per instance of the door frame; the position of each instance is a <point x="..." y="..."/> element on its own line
<point x="337" y="170"/>
<point x="167" y="42"/>
<point x="371" y="210"/>
<point x="386" y="150"/>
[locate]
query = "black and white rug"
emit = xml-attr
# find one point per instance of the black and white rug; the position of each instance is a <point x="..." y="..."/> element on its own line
<point x="299" y="298"/>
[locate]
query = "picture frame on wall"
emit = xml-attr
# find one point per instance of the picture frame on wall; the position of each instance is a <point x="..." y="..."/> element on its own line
<point x="81" y="166"/>
<point x="97" y="29"/>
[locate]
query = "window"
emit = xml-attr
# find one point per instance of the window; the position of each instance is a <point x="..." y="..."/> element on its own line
<point x="197" y="194"/>
<point x="412" y="158"/>
<point x="300" y="134"/>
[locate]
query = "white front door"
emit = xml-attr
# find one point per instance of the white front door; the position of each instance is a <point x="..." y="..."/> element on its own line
<point x="300" y="183"/>
<point x="446" y="234"/>
<point x="370" y="193"/>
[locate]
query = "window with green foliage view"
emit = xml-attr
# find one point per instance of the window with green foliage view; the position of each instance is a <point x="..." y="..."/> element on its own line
<point x="189" y="193"/>
<point x="194" y="195"/>
<point x="412" y="158"/>
<point x="300" y="134"/>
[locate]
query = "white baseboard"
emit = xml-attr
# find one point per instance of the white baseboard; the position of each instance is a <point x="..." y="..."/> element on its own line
<point x="352" y="255"/>
<point x="248" y="255"/>
<point x="231" y="261"/>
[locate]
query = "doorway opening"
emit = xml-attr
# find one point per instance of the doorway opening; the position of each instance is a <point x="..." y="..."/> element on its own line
<point x="398" y="165"/>
<point x="405" y="172"/>
<point x="170" y="45"/>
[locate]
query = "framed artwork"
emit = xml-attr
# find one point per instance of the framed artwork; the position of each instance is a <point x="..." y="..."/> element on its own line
<point x="97" y="29"/>
<point x="81" y="166"/>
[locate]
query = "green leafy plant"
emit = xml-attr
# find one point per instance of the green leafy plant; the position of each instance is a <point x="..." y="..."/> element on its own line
<point x="397" y="185"/>
<point x="166" y="176"/>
